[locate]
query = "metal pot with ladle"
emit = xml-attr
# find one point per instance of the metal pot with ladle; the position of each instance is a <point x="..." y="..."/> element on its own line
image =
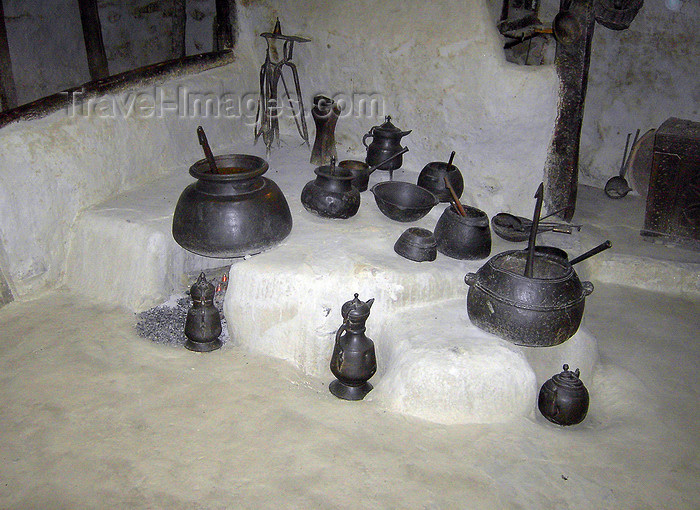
<point x="529" y="297"/>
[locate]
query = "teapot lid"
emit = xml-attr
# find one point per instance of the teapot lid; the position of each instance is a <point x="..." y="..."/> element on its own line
<point x="356" y="309"/>
<point x="202" y="290"/>
<point x="388" y="129"/>
<point x="568" y="379"/>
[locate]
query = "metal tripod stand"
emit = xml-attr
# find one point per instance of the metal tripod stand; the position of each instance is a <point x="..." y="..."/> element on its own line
<point x="269" y="108"/>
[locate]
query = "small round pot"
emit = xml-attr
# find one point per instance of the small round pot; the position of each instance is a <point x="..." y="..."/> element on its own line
<point x="541" y="311"/>
<point x="564" y="399"/>
<point x="231" y="214"/>
<point x="417" y="244"/>
<point x="432" y="178"/>
<point x="403" y="201"/>
<point x="463" y="238"/>
<point x="359" y="171"/>
<point x="331" y="194"/>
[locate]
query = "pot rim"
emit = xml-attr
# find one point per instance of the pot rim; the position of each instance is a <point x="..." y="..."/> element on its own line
<point x="440" y="165"/>
<point x="353" y="164"/>
<point x="254" y="165"/>
<point x="404" y="184"/>
<point x="480" y="219"/>
<point x="568" y="270"/>
<point x="339" y="173"/>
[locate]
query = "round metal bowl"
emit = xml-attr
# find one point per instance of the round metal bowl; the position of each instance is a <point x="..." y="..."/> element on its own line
<point x="403" y="201"/>
<point x="417" y="244"/>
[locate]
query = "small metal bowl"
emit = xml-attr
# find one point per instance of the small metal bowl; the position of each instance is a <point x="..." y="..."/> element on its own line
<point x="403" y="201"/>
<point x="360" y="173"/>
<point x="417" y="244"/>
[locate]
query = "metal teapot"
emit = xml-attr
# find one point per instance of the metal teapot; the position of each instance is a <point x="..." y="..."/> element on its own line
<point x="564" y="399"/>
<point x="386" y="141"/>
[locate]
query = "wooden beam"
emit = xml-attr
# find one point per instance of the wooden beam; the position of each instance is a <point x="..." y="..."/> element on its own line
<point x="92" y="33"/>
<point x="179" y="49"/>
<point x="572" y="61"/>
<point x="8" y="93"/>
<point x="223" y="33"/>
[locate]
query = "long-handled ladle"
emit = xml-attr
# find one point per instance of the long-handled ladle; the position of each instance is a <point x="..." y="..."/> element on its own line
<point x="208" y="154"/>
<point x="617" y="186"/>
<point x="530" y="264"/>
<point x="594" y="251"/>
<point x="455" y="198"/>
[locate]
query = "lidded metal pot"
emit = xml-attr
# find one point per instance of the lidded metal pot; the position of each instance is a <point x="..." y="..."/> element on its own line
<point x="386" y="141"/>
<point x="203" y="323"/>
<point x="564" y="399"/>
<point x="331" y="194"/>
<point x="353" y="361"/>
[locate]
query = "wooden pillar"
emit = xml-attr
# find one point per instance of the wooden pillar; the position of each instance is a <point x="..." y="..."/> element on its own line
<point x="223" y="33"/>
<point x="8" y="93"/>
<point x="179" y="49"/>
<point x="571" y="62"/>
<point x="92" y="33"/>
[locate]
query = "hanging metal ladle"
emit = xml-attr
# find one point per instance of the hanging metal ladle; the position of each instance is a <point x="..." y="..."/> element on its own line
<point x="617" y="186"/>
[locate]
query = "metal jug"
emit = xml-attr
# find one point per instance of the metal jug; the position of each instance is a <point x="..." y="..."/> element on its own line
<point x="386" y="141"/>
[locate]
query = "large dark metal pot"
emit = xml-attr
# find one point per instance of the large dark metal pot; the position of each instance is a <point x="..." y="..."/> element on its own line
<point x="463" y="237"/>
<point x="234" y="213"/>
<point x="541" y="311"/>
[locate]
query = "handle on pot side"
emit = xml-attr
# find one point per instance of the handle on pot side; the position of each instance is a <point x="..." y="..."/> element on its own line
<point x="470" y="279"/>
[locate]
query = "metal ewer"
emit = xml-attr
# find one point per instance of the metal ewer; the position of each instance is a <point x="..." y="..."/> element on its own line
<point x="353" y="361"/>
<point x="203" y="323"/>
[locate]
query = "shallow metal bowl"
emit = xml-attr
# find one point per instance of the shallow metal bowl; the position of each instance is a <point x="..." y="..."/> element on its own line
<point x="403" y="201"/>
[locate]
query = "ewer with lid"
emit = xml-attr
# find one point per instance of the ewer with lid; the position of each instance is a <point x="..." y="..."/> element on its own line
<point x="353" y="361"/>
<point x="386" y="141"/>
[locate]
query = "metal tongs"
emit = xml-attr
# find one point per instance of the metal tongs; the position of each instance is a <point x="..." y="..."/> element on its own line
<point x="517" y="228"/>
